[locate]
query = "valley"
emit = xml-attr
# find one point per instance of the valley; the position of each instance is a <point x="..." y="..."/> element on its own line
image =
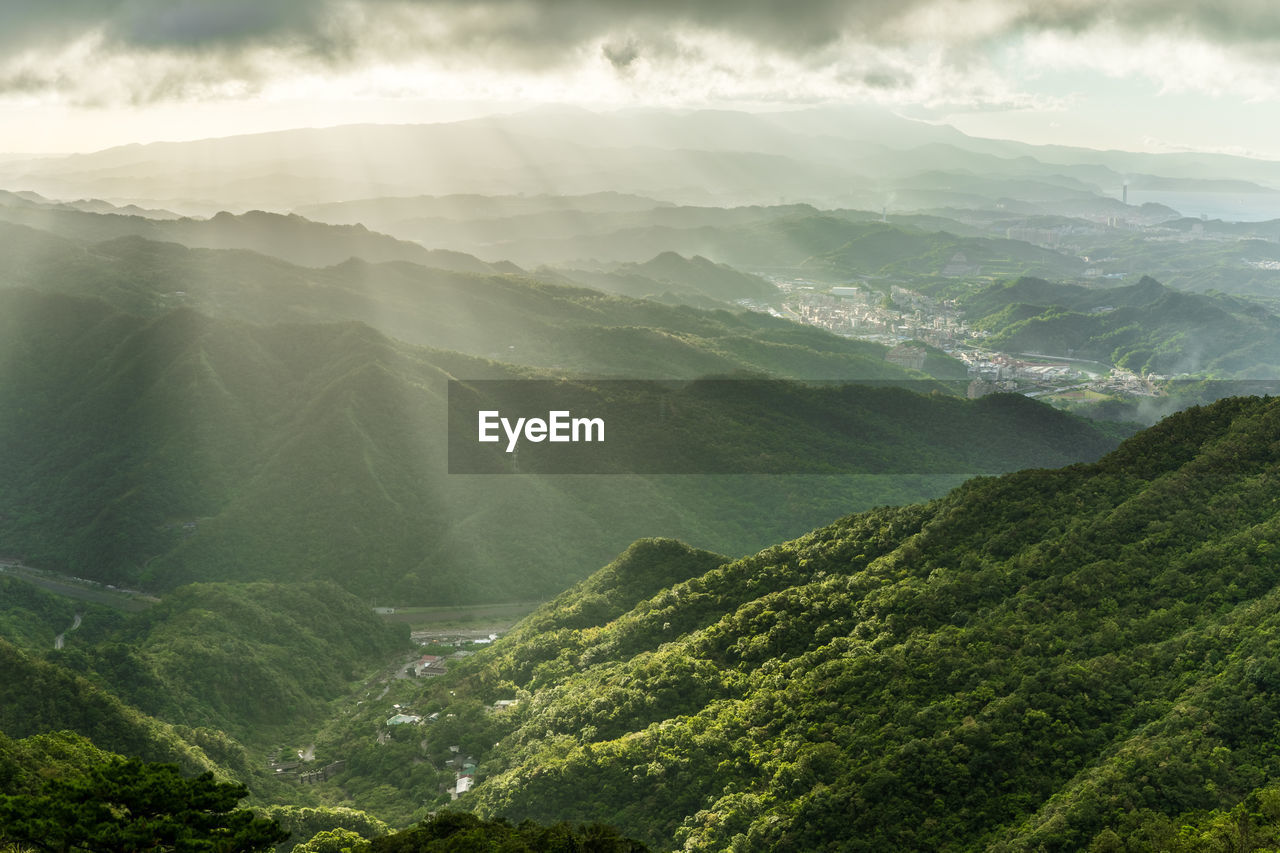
<point x="927" y="501"/>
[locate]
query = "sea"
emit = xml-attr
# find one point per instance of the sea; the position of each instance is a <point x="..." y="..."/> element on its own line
<point x="1229" y="207"/>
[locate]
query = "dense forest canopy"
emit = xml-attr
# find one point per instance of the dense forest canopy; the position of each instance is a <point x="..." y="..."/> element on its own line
<point x="1047" y="660"/>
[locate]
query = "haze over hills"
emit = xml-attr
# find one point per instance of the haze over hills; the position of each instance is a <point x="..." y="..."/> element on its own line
<point x="335" y="364"/>
<point x="511" y="318"/>
<point x="290" y="238"/>
<point x="182" y="448"/>
<point x="244" y="410"/>
<point x="839" y="157"/>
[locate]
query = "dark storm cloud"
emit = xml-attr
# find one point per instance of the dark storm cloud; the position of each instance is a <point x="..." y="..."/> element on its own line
<point x="201" y="23"/>
<point x="1236" y="21"/>
<point x="785" y="25"/>
<point x="529" y="34"/>
<point x="621" y="56"/>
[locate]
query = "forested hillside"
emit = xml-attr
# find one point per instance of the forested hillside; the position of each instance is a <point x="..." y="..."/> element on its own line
<point x="157" y="451"/>
<point x="511" y="318"/>
<point x="37" y="697"/>
<point x="1144" y="327"/>
<point x="1050" y="660"/>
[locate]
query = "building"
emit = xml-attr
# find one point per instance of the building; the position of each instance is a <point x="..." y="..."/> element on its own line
<point x="430" y="665"/>
<point x="905" y="355"/>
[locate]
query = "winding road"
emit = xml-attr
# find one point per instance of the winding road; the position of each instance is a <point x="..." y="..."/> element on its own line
<point x="59" y="640"/>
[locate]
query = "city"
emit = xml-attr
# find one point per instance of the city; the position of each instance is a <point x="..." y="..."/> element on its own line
<point x="912" y="324"/>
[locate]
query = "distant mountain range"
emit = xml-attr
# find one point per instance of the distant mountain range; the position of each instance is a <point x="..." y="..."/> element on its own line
<point x="830" y="156"/>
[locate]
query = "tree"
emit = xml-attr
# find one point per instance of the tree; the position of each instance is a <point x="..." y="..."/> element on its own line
<point x="334" y="841"/>
<point x="461" y="832"/>
<point x="128" y="805"/>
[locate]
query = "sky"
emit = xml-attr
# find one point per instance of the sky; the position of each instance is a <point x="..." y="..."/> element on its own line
<point x="1150" y="75"/>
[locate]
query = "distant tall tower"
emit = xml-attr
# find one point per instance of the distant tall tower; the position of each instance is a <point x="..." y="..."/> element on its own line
<point x="1124" y="193"/>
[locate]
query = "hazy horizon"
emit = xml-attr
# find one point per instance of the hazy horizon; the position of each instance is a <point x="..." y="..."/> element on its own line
<point x="1151" y="77"/>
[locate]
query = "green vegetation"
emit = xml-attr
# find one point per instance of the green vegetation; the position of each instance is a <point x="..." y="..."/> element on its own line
<point x="458" y="832"/>
<point x="670" y="277"/>
<point x="1144" y="327"/>
<point x="128" y="805"/>
<point x="512" y="318"/>
<point x="889" y="250"/>
<point x="151" y="453"/>
<point x="1048" y="660"/>
<point x="59" y="792"/>
<point x="308" y="825"/>
<point x="31" y="618"/>
<point x="37" y="697"/>
<point x="258" y="660"/>
<point x="1079" y="659"/>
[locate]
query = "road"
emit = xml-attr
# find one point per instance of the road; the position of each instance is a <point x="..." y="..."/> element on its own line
<point x="79" y="588"/>
<point x="59" y="640"/>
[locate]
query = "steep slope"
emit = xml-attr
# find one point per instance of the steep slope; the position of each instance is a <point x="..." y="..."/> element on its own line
<point x="1027" y="664"/>
<point x="253" y="660"/>
<point x="31" y="618"/>
<point x="38" y="697"/>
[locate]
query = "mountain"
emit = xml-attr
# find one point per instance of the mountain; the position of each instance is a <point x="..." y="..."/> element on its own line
<point x="674" y="277"/>
<point x="32" y="200"/>
<point x="32" y="619"/>
<point x="290" y="238"/>
<point x="1145" y="327"/>
<point x="607" y="227"/>
<point x="388" y="214"/>
<point x="497" y="156"/>
<point x="256" y="661"/>
<point x="37" y="697"/>
<point x="830" y="156"/>
<point x="154" y="452"/>
<point x="511" y="318"/>
<point x="882" y="249"/>
<point x="1045" y="660"/>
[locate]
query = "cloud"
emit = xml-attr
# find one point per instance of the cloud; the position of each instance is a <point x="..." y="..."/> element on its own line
<point x="176" y="49"/>
<point x="621" y="56"/>
<point x="788" y="26"/>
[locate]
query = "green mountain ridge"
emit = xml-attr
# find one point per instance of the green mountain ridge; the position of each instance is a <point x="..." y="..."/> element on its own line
<point x="252" y="660"/>
<point x="1038" y="661"/>
<point x="691" y="280"/>
<point x="1145" y="327"/>
<point x="503" y="317"/>
<point x="290" y="238"/>
<point x="882" y="249"/>
<point x="37" y="697"/>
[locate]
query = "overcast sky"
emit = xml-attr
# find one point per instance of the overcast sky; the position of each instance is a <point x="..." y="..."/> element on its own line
<point x="1144" y="75"/>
